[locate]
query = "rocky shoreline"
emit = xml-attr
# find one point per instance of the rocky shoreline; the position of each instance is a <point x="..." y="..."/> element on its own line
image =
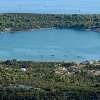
<point x="11" y="31"/>
<point x="94" y="30"/>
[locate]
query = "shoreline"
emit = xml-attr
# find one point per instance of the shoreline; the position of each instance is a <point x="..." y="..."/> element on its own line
<point x="30" y="30"/>
<point x="40" y="61"/>
<point x="27" y="22"/>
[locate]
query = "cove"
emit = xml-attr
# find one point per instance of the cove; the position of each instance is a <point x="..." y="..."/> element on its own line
<point x="50" y="45"/>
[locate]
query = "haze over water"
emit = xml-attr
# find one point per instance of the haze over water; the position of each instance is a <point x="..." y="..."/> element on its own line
<point x="50" y="6"/>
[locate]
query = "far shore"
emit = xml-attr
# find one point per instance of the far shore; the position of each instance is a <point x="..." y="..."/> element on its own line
<point x="29" y="30"/>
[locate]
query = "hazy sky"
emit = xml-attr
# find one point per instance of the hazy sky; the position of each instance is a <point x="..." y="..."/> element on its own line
<point x="50" y="6"/>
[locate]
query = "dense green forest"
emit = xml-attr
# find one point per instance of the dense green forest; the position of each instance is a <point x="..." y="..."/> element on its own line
<point x="20" y="80"/>
<point x="26" y="21"/>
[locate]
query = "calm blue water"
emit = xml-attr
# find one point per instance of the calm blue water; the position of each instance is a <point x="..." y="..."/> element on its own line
<point x="50" y="45"/>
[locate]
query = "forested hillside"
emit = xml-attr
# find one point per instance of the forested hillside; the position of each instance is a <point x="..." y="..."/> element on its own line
<point x="20" y="80"/>
<point x="24" y="21"/>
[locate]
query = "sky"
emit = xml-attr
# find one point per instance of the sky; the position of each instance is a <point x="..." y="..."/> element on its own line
<point x="50" y="6"/>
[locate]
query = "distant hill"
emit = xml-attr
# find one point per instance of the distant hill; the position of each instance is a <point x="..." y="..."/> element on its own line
<point x="27" y="21"/>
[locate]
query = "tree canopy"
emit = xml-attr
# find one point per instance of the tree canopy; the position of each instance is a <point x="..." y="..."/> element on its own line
<point x="24" y="21"/>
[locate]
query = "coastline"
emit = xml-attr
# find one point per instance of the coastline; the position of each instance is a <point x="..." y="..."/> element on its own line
<point x="27" y="22"/>
<point x="29" y="30"/>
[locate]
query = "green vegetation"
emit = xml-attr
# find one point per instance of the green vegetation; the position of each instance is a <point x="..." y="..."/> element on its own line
<point x="49" y="80"/>
<point x="24" y="21"/>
